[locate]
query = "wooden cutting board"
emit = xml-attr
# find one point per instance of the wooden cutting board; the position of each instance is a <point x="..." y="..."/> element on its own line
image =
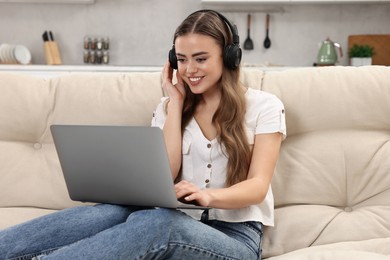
<point x="380" y="42"/>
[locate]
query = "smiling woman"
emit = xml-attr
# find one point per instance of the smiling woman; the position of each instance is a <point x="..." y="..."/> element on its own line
<point x="213" y="112"/>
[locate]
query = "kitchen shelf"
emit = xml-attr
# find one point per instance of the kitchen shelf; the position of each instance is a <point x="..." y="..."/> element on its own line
<point x="49" y="71"/>
<point x="77" y="68"/>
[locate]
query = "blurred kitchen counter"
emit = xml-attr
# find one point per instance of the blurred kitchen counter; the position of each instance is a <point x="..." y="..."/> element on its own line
<point x="48" y="71"/>
<point x="54" y="70"/>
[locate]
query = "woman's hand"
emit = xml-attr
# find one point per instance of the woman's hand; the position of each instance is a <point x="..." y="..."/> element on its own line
<point x="177" y="91"/>
<point x="187" y="192"/>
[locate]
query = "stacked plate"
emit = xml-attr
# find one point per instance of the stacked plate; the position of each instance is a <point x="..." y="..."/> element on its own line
<point x="14" y="54"/>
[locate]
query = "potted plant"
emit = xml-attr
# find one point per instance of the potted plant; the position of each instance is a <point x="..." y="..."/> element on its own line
<point x="361" y="55"/>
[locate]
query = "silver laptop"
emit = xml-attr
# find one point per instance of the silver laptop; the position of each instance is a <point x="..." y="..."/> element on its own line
<point x="125" y="165"/>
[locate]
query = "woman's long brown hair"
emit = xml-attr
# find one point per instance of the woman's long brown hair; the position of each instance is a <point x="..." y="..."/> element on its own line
<point x="230" y="115"/>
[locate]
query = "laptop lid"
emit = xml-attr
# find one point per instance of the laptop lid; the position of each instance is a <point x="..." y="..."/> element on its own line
<point x="125" y="165"/>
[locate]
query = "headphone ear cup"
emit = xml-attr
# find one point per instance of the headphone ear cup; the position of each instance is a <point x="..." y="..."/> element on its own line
<point x="232" y="56"/>
<point x="172" y="58"/>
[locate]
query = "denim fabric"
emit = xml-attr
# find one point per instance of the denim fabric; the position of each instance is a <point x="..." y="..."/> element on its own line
<point x="116" y="232"/>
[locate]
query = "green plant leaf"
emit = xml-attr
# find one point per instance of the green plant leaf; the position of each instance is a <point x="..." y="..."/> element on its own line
<point x="361" y="51"/>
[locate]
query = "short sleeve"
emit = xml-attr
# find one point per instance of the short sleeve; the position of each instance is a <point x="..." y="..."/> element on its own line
<point x="272" y="118"/>
<point x="159" y="114"/>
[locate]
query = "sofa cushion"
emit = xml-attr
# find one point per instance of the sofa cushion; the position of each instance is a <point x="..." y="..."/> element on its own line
<point x="373" y="249"/>
<point x="106" y="99"/>
<point x="252" y="77"/>
<point x="332" y="180"/>
<point x="31" y="175"/>
<point x="332" y="97"/>
<point x="24" y="101"/>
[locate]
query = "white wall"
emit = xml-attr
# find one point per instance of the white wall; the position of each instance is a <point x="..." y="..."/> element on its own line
<point x="141" y="30"/>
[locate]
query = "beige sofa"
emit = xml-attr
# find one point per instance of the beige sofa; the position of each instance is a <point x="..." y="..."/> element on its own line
<point x="332" y="182"/>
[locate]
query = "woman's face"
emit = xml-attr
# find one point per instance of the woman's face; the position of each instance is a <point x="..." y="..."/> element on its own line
<point x="200" y="61"/>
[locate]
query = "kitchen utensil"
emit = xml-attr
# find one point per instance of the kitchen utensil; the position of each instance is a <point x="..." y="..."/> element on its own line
<point x="50" y="46"/>
<point x="248" y="44"/>
<point x="45" y="36"/>
<point x="267" y="40"/>
<point x="327" y="54"/>
<point x="51" y="38"/>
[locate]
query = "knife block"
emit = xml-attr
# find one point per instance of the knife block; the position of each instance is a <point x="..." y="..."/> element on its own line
<point x="52" y="53"/>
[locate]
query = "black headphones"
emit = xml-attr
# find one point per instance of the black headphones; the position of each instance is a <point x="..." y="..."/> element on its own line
<point x="232" y="52"/>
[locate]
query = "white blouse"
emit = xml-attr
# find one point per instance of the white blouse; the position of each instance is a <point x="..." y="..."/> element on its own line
<point x="204" y="163"/>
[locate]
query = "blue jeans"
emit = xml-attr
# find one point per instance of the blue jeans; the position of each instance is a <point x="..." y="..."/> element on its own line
<point x="116" y="232"/>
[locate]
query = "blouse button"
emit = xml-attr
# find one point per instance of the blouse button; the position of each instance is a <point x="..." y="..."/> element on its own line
<point x="209" y="165"/>
<point x="208" y="145"/>
<point x="207" y="181"/>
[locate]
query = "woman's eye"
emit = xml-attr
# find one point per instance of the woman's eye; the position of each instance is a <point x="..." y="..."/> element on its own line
<point x="181" y="60"/>
<point x="200" y="60"/>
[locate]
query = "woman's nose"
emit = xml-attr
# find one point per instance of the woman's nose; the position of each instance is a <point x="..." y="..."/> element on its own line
<point x="191" y="67"/>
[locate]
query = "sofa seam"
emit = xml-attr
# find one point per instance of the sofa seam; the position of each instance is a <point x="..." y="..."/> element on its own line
<point x="262" y="79"/>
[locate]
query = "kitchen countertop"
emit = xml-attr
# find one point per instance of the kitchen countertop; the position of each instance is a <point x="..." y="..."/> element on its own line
<point x="48" y="71"/>
<point x="55" y="70"/>
<point x="81" y="68"/>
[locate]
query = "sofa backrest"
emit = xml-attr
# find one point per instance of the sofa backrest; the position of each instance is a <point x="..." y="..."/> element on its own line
<point x="30" y="174"/>
<point x="332" y="182"/>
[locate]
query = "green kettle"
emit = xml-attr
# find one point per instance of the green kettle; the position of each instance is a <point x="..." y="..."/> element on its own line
<point x="327" y="54"/>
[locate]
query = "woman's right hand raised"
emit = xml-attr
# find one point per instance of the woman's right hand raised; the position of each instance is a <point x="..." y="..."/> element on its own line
<point x="175" y="92"/>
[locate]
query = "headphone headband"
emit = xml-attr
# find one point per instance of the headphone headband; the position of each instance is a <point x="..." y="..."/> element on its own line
<point x="231" y="53"/>
<point x="232" y="27"/>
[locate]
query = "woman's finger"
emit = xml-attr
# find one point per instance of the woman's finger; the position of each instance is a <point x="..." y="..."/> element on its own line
<point x="167" y="74"/>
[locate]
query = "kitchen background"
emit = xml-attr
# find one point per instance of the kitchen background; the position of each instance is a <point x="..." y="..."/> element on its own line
<point x="140" y="31"/>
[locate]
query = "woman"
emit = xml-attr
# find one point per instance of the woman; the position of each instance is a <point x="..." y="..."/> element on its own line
<point x="223" y="142"/>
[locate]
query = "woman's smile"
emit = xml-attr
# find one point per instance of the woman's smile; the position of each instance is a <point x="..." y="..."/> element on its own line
<point x="195" y="80"/>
